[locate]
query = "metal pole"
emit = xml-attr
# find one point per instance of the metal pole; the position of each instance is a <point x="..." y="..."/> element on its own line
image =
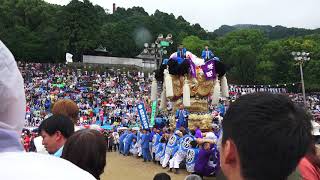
<point x="156" y="58"/>
<point x="302" y="83"/>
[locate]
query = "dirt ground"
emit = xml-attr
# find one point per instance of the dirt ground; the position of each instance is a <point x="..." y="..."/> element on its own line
<point x="130" y="168"/>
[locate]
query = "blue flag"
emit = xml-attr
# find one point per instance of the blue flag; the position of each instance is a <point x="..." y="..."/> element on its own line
<point x="143" y="116"/>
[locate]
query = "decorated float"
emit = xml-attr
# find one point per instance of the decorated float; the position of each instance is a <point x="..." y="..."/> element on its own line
<point x="193" y="82"/>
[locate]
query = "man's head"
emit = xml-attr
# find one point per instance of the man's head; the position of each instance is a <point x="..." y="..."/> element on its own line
<point x="264" y="137"/>
<point x="55" y="131"/>
<point x="67" y="108"/>
<point x="206" y="146"/>
<point x="181" y="106"/>
<point x="206" y="47"/>
<point x="144" y="131"/>
<point x="193" y="144"/>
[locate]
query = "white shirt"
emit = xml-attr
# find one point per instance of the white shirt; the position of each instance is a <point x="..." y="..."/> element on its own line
<point x="21" y="166"/>
<point x="38" y="143"/>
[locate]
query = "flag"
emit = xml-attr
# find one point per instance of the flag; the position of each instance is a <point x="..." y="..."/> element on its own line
<point x="69" y="58"/>
<point x="209" y="70"/>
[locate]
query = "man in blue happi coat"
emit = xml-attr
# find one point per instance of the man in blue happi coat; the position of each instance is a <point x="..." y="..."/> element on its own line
<point x="121" y="141"/>
<point x="181" y="52"/>
<point x="128" y="140"/>
<point x="207" y="54"/>
<point x="145" y="146"/>
<point x="182" y="117"/>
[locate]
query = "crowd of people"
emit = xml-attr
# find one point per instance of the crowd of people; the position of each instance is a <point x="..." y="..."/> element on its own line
<point x="251" y="142"/>
<point x="103" y="96"/>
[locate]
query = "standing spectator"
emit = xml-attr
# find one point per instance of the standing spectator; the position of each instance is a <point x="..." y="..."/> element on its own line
<point x="86" y="149"/>
<point x="55" y="131"/>
<point x="110" y="142"/>
<point x="267" y="118"/>
<point x="116" y="140"/>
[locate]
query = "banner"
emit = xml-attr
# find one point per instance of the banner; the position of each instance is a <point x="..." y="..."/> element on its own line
<point x="192" y="69"/>
<point x="69" y="58"/>
<point x="153" y="114"/>
<point x="143" y="116"/>
<point x="209" y="70"/>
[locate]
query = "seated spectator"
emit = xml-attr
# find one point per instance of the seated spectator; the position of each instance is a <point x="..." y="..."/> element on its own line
<point x="55" y="131"/>
<point x="264" y="137"/>
<point x="162" y="176"/>
<point x="86" y="148"/>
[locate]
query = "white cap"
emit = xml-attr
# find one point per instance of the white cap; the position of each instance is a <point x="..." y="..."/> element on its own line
<point x="12" y="96"/>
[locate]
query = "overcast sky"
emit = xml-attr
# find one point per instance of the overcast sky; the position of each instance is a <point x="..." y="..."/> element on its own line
<point x="211" y="14"/>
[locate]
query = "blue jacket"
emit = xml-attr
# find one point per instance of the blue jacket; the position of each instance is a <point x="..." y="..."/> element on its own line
<point x="173" y="141"/>
<point x="185" y="142"/>
<point x="207" y="55"/>
<point x="192" y="156"/>
<point x="156" y="139"/>
<point x="182" y="54"/>
<point x="122" y="137"/>
<point x="145" y="141"/>
<point x="130" y="137"/>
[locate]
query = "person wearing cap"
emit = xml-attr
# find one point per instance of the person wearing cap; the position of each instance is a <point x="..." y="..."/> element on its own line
<point x="12" y="117"/>
<point x="207" y="54"/>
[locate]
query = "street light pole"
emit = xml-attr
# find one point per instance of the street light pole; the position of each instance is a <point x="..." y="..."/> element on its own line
<point x="300" y="58"/>
<point x="302" y="83"/>
<point x="158" y="48"/>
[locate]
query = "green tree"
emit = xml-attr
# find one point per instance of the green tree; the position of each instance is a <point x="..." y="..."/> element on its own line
<point x="194" y="44"/>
